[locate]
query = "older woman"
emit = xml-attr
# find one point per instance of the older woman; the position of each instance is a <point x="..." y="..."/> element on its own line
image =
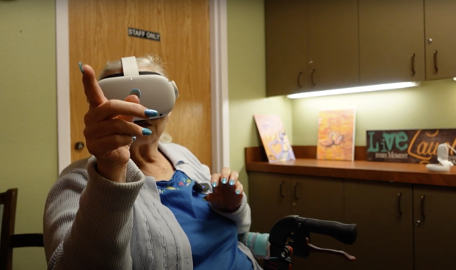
<point x="133" y="205"/>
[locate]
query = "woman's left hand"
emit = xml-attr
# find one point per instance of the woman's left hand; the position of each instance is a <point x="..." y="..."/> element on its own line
<point x="227" y="191"/>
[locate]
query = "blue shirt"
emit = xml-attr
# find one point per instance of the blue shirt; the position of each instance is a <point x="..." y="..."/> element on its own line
<point x="213" y="238"/>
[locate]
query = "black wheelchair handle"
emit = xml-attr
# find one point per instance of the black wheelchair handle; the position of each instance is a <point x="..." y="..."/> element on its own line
<point x="345" y="233"/>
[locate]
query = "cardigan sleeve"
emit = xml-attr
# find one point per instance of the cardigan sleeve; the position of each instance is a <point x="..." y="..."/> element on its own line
<point x="88" y="219"/>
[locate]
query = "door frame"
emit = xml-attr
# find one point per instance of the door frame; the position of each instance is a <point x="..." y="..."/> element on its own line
<point x="219" y="85"/>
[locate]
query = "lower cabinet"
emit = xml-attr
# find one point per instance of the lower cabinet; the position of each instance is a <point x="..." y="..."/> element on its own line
<point x="269" y="199"/>
<point x="383" y="213"/>
<point x="274" y="196"/>
<point x="434" y="227"/>
<point x="319" y="198"/>
<point x="400" y="226"/>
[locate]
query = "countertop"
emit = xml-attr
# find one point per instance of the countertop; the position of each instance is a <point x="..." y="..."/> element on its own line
<point x="306" y="164"/>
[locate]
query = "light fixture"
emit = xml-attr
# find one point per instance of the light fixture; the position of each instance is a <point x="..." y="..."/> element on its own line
<point x="454" y="78"/>
<point x="358" y="89"/>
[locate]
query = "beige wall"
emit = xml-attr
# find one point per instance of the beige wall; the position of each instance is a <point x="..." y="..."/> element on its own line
<point x="28" y="137"/>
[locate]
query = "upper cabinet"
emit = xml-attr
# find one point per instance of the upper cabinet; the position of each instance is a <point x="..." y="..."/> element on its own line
<point x="327" y="44"/>
<point x="310" y="45"/>
<point x="332" y="44"/>
<point x="440" y="30"/>
<point x="286" y="46"/>
<point x="391" y="41"/>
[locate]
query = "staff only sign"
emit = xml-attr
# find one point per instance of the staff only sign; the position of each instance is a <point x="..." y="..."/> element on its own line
<point x="409" y="146"/>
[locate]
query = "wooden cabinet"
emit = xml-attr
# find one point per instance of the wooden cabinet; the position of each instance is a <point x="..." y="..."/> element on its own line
<point x="384" y="215"/>
<point x="310" y="45"/>
<point x="269" y="199"/>
<point x="286" y="47"/>
<point x="434" y="227"/>
<point x="274" y="196"/>
<point x="319" y="198"/>
<point x="332" y="44"/>
<point x="326" y="44"/>
<point x="440" y="29"/>
<point x="391" y="40"/>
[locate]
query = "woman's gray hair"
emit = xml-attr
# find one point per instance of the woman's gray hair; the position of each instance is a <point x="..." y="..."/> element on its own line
<point x="148" y="61"/>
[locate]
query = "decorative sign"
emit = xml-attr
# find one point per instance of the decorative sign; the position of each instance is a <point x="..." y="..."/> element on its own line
<point x="409" y="146"/>
<point x="133" y="32"/>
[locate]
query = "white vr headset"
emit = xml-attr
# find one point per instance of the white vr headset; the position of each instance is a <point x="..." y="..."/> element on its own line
<point x="157" y="92"/>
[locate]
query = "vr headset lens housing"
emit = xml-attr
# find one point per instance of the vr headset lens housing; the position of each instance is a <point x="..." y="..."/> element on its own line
<point x="157" y="92"/>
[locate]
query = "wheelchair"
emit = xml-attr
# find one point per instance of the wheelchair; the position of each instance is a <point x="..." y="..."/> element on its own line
<point x="291" y="235"/>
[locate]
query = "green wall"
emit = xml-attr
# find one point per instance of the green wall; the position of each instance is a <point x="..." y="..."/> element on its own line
<point x="247" y="81"/>
<point x="28" y="137"/>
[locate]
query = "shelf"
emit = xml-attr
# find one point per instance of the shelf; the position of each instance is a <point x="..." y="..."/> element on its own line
<point x="307" y="164"/>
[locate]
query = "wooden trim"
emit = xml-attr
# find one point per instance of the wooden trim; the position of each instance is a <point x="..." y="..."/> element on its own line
<point x="306" y="164"/>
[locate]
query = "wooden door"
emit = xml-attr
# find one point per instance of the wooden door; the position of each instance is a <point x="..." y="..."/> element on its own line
<point x="269" y="199"/>
<point x="319" y="198"/>
<point x="332" y="44"/>
<point x="391" y="45"/>
<point x="384" y="215"/>
<point x="98" y="32"/>
<point x="435" y="230"/>
<point x="286" y="46"/>
<point x="440" y="21"/>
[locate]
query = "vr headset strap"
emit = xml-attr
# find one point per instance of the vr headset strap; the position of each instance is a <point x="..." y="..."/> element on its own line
<point x="130" y="67"/>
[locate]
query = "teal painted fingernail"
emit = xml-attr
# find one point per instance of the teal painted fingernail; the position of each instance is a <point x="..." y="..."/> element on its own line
<point x="238" y="192"/>
<point x="133" y="138"/>
<point x="136" y="92"/>
<point x="214" y="184"/>
<point x="81" y="67"/>
<point x="231" y="182"/>
<point x="224" y="180"/>
<point x="146" y="131"/>
<point x="150" y="113"/>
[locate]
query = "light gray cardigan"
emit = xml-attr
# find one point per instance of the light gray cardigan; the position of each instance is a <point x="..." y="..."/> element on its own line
<point x="93" y="223"/>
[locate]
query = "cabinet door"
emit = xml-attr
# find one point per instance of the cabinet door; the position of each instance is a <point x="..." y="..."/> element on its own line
<point x="440" y="24"/>
<point x="333" y="44"/>
<point x="319" y="198"/>
<point x="391" y="37"/>
<point x="383" y="213"/>
<point x="435" y="229"/>
<point x="269" y="199"/>
<point x="286" y="46"/>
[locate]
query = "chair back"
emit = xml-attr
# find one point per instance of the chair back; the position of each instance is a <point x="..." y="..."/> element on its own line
<point x="9" y="240"/>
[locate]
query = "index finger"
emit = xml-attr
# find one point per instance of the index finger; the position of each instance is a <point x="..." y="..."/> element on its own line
<point x="92" y="90"/>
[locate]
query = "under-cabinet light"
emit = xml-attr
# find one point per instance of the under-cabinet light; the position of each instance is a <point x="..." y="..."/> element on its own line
<point x="359" y="89"/>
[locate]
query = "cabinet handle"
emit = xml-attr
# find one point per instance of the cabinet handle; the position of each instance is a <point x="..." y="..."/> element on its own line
<point x="281" y="189"/>
<point x="413" y="65"/>
<point x="436" y="68"/>
<point x="399" y="195"/>
<point x="312" y="77"/>
<point x="295" y="188"/>
<point x="299" y="79"/>
<point x="422" y="206"/>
